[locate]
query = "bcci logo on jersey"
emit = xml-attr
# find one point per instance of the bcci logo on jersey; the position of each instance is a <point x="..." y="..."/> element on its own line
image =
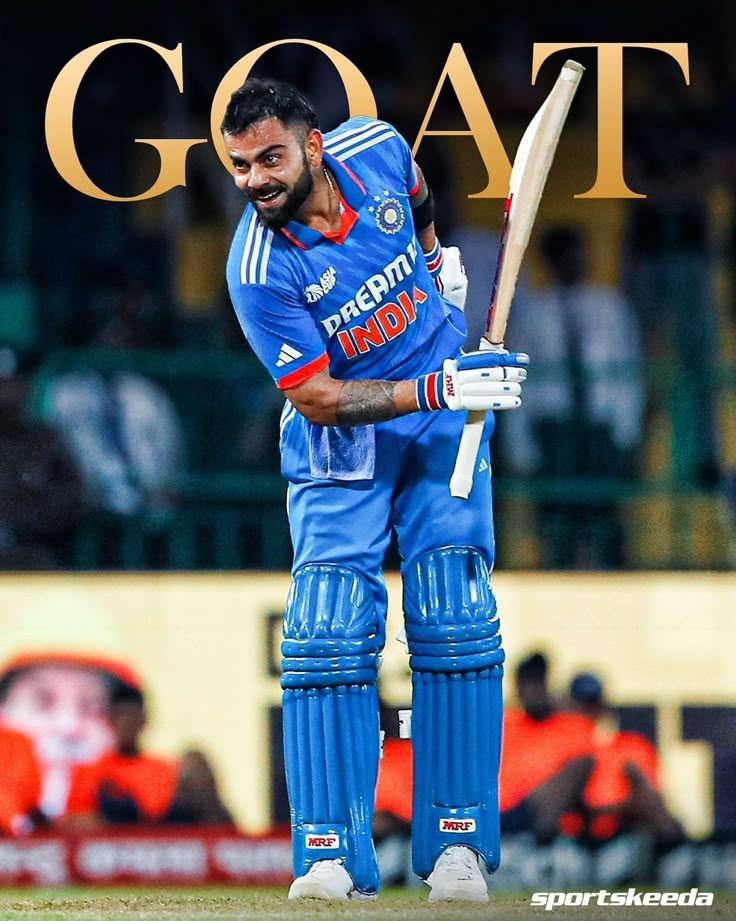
<point x="325" y="284"/>
<point x="390" y="215"/>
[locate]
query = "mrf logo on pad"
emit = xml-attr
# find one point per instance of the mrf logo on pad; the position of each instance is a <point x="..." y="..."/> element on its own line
<point x="457" y="825"/>
<point x="323" y="841"/>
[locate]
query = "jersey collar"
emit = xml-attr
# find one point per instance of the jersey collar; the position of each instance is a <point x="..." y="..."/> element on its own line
<point x="352" y="195"/>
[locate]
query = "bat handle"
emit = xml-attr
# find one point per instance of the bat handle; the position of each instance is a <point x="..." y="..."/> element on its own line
<point x="461" y="481"/>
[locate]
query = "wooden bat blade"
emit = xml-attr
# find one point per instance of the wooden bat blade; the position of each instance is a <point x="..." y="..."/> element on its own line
<point x="528" y="177"/>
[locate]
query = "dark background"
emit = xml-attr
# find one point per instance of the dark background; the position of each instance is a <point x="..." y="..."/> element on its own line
<point x="69" y="263"/>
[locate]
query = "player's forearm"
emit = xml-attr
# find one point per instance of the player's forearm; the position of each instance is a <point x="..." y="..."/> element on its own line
<point x="374" y="401"/>
<point x="427" y="239"/>
<point x="325" y="400"/>
<point x="483" y="380"/>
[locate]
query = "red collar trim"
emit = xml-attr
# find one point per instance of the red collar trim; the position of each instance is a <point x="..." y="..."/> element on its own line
<point x="348" y="217"/>
<point x="293" y="239"/>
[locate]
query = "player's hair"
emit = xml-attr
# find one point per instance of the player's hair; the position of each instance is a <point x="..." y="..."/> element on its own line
<point x="257" y="99"/>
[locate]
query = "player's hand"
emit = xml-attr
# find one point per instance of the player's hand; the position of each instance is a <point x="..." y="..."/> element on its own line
<point x="446" y="267"/>
<point x="479" y="380"/>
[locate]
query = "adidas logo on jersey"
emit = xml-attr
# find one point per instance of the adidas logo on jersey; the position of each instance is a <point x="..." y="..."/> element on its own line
<point x="325" y="284"/>
<point x="483" y="465"/>
<point x="287" y="354"/>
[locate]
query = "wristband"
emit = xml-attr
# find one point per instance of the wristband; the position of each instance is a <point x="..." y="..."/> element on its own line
<point x="429" y="392"/>
<point x="434" y="259"/>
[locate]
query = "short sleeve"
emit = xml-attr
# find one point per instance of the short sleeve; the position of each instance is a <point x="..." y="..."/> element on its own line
<point x="360" y="134"/>
<point x="281" y="332"/>
<point x="401" y="152"/>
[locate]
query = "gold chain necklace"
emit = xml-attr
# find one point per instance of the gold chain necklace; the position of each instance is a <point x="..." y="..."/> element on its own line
<point x="332" y="187"/>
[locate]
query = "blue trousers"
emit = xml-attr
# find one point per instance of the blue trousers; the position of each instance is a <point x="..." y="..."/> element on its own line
<point x="341" y="529"/>
<point x="350" y="522"/>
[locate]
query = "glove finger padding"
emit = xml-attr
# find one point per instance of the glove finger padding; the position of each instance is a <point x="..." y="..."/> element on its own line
<point x="485" y="404"/>
<point x="489" y="359"/>
<point x="488" y="388"/>
<point x="493" y="374"/>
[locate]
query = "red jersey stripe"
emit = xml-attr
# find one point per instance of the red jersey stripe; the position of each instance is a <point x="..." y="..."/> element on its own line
<point x="300" y="375"/>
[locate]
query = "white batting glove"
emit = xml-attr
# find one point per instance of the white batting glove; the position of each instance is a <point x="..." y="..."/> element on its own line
<point x="446" y="267"/>
<point x="482" y="380"/>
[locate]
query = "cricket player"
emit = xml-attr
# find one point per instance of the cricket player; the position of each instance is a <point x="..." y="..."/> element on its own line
<point x="344" y="293"/>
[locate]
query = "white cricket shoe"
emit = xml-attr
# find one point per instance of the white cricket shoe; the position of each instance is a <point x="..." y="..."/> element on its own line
<point x="456" y="877"/>
<point x="325" y="879"/>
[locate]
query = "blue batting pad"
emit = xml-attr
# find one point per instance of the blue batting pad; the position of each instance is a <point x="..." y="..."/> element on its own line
<point x="330" y="716"/>
<point x="456" y="660"/>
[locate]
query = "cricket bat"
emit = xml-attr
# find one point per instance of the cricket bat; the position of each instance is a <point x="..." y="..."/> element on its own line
<point x="528" y="176"/>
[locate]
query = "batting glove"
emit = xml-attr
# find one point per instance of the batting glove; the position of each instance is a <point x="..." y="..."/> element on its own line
<point x="480" y="380"/>
<point x="446" y="267"/>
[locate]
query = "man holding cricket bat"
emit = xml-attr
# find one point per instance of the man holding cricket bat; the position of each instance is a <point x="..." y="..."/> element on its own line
<point x="346" y="296"/>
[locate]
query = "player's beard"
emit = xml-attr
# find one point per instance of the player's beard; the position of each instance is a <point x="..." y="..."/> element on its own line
<point x="279" y="216"/>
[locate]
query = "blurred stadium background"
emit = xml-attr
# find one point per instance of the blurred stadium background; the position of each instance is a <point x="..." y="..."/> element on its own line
<point x="619" y="560"/>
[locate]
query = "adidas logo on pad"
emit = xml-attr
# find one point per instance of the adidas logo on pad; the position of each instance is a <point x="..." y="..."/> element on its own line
<point x="287" y="354"/>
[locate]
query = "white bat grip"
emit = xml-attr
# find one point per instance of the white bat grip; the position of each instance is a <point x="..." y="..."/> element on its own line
<point x="461" y="481"/>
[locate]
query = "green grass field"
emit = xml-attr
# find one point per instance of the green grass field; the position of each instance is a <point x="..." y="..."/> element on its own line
<point x="213" y="904"/>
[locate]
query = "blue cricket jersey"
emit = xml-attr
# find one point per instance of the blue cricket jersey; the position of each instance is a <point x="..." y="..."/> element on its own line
<point x="360" y="301"/>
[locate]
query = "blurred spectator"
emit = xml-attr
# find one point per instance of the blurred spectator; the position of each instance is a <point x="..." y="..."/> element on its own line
<point x="20" y="784"/>
<point x="623" y="792"/>
<point x="546" y="756"/>
<point x="135" y="319"/>
<point x="670" y="137"/>
<point x="127" y="785"/>
<point x="393" y="793"/>
<point x="582" y="416"/>
<point x="122" y="427"/>
<point x="60" y="700"/>
<point x="201" y="251"/>
<point x="40" y="485"/>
